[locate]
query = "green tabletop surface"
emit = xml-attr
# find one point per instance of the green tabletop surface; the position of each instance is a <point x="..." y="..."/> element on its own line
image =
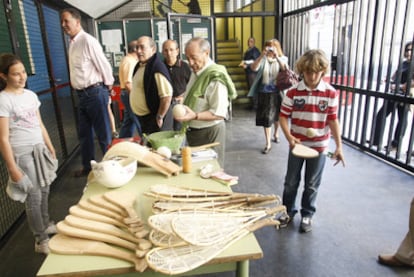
<point x="84" y="265"/>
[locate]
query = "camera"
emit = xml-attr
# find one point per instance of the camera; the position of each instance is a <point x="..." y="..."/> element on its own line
<point x="270" y="49"/>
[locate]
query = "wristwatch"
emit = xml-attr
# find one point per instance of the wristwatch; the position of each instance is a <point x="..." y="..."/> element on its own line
<point x="160" y="117"/>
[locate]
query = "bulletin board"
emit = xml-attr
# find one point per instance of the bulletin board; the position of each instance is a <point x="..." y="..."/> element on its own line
<point x="111" y="37"/>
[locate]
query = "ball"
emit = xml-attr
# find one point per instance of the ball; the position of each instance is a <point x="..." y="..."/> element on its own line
<point x="310" y="132"/>
<point x="179" y="111"/>
<point x="164" y="151"/>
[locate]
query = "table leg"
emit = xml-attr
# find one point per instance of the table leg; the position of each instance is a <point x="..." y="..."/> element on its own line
<point x="242" y="269"/>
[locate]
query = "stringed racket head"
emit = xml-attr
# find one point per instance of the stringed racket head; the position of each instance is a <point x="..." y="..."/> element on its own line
<point x="303" y="151"/>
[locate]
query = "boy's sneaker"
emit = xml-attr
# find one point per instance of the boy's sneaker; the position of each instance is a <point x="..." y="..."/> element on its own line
<point x="284" y="220"/>
<point x="42" y="247"/>
<point x="51" y="229"/>
<point x="305" y="225"/>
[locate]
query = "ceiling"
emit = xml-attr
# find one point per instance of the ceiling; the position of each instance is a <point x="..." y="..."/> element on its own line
<point x="94" y="8"/>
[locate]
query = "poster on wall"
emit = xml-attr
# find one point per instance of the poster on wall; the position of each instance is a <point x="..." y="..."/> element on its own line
<point x="184" y="39"/>
<point x="200" y="32"/>
<point x="111" y="40"/>
<point x="110" y="57"/>
<point x="162" y="34"/>
<point x="117" y="58"/>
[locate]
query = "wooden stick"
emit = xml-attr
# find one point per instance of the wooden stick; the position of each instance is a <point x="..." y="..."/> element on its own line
<point x="67" y="245"/>
<point x="99" y="200"/>
<point x="99" y="210"/>
<point x="66" y="229"/>
<point x="80" y="212"/>
<point x="100" y="227"/>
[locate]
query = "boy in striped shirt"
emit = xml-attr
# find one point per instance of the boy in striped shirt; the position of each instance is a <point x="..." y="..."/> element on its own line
<point x="311" y="106"/>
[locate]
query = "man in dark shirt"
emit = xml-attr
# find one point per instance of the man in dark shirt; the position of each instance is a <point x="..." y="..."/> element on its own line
<point x="251" y="54"/>
<point x="179" y="72"/>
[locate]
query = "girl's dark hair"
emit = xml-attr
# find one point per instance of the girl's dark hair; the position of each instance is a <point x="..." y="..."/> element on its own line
<point x="6" y="61"/>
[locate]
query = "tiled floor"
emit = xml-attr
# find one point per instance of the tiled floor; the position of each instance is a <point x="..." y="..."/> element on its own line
<point x="362" y="211"/>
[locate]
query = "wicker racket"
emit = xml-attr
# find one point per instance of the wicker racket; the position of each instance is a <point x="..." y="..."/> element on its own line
<point x="178" y="260"/>
<point x="209" y="229"/>
<point x="163" y="240"/>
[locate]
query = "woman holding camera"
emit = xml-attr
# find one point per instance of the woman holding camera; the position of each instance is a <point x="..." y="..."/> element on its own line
<point x="269" y="97"/>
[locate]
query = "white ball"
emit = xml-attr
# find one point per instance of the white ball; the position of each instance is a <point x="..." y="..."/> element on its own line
<point x="164" y="151"/>
<point x="179" y="111"/>
<point x="310" y="132"/>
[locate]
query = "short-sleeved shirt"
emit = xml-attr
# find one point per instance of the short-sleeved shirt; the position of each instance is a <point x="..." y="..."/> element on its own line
<point x="215" y="100"/>
<point x="137" y="97"/>
<point x="21" y="109"/>
<point x="126" y="68"/>
<point x="180" y="74"/>
<point x="311" y="109"/>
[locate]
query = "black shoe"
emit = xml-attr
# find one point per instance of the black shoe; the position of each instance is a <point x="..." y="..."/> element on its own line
<point x="391" y="148"/>
<point x="81" y="173"/>
<point x="305" y="225"/>
<point x="276" y="140"/>
<point x="369" y="142"/>
<point x="285" y="220"/>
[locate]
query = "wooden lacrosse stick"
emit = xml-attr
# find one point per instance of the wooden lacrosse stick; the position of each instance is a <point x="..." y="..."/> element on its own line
<point x="177" y="260"/>
<point x="66" y="229"/>
<point x="66" y="245"/>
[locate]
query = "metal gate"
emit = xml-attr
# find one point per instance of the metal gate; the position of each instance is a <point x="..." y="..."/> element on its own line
<point x="365" y="41"/>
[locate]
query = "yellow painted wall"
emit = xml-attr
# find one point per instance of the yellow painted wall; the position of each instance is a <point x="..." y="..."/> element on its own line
<point x="262" y="28"/>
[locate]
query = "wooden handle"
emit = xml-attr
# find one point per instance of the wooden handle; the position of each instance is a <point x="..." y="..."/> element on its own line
<point x="100" y="227"/>
<point x="66" y="245"/>
<point x="204" y="146"/>
<point x="99" y="200"/>
<point x="87" y="205"/>
<point x="262" y="223"/>
<point x="67" y="229"/>
<point x="80" y="212"/>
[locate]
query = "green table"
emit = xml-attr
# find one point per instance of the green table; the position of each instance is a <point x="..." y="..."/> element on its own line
<point x="235" y="258"/>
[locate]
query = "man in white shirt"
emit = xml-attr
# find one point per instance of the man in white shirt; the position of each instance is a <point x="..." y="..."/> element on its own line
<point x="91" y="77"/>
<point x="207" y="98"/>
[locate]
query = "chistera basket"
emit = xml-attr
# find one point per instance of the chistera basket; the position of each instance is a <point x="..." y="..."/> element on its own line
<point x="171" y="139"/>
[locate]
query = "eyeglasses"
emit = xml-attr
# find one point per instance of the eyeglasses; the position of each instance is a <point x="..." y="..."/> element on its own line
<point x="408" y="49"/>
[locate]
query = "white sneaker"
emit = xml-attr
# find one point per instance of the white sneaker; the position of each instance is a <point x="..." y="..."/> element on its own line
<point x="51" y="229"/>
<point x="42" y="247"/>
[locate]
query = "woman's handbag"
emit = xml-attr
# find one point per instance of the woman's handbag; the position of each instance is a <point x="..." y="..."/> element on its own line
<point x="286" y="78"/>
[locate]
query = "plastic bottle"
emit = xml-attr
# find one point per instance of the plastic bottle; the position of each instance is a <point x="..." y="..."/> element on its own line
<point x="186" y="158"/>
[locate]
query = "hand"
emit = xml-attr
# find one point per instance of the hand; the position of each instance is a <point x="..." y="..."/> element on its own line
<point x="160" y="121"/>
<point x="188" y="116"/>
<point x="16" y="175"/>
<point x="339" y="157"/>
<point x="293" y="141"/>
